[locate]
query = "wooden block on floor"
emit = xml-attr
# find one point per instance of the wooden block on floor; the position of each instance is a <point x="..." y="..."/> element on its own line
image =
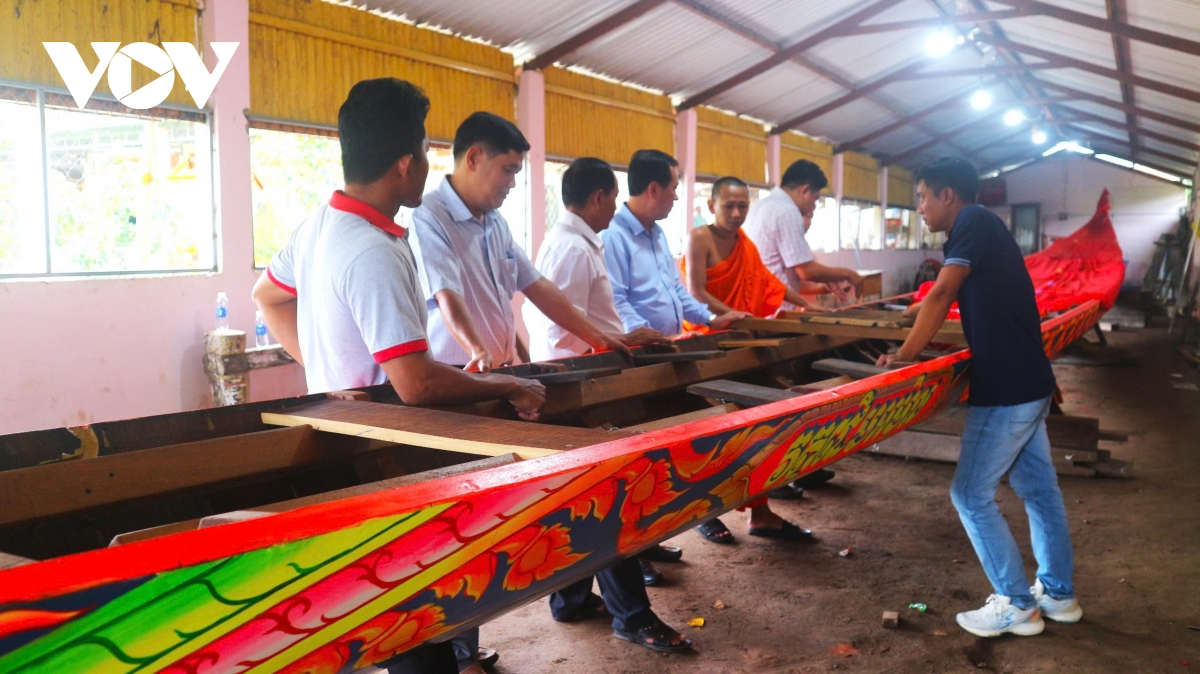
<point x="848" y="368"/>
<point x="748" y="395"/>
<point x="891" y="620"/>
<point x="946" y="449"/>
<point x="1064" y="431"/>
<point x="436" y="429"/>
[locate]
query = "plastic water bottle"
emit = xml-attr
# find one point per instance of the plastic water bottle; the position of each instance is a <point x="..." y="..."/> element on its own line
<point x="260" y="330"/>
<point x="222" y="312"/>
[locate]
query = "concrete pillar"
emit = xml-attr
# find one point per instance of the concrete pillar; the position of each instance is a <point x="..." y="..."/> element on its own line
<point x="685" y="154"/>
<point x="531" y="118"/>
<point x="774" y="170"/>
<point x="229" y="21"/>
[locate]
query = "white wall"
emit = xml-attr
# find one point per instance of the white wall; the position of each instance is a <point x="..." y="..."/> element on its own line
<point x="1143" y="208"/>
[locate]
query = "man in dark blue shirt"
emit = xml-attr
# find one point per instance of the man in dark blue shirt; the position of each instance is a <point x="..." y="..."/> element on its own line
<point x="1011" y="387"/>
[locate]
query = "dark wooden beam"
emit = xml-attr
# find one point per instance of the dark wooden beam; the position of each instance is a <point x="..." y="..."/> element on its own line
<point x="1118" y="105"/>
<point x="1092" y="136"/>
<point x="1118" y="14"/>
<point x="836" y="30"/>
<point x="984" y="71"/>
<point x="939" y="22"/>
<point x="1080" y="115"/>
<point x="1069" y="62"/>
<point x="1114" y="27"/>
<point x="939" y="138"/>
<point x="854" y="94"/>
<point x="605" y="26"/>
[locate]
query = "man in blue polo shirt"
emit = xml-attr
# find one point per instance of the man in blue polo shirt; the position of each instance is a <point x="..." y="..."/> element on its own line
<point x="1011" y="387"/>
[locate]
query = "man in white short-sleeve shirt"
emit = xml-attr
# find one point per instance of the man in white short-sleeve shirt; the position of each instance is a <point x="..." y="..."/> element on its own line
<point x="572" y="258"/>
<point x="471" y="268"/>
<point x="777" y="225"/>
<point x="343" y="298"/>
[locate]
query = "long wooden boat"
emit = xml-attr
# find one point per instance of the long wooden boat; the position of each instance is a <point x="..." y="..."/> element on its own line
<point x="322" y="568"/>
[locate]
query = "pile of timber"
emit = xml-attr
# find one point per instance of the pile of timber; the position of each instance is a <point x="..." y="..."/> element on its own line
<point x="1074" y="444"/>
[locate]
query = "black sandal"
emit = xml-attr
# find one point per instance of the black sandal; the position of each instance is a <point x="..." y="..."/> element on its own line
<point x="657" y="638"/>
<point x="715" y="531"/>
<point x="595" y="609"/>
<point x="787" y="532"/>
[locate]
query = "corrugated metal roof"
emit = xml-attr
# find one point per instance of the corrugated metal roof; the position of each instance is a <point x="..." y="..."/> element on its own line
<point x="682" y="48"/>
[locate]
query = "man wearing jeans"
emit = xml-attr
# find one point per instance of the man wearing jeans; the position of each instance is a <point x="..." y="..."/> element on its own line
<point x="1011" y="386"/>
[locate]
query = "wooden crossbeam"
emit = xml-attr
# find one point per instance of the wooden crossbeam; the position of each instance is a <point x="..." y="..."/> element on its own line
<point x="669" y="422"/>
<point x="751" y="343"/>
<point x="949" y="333"/>
<point x="591" y="33"/>
<point x="748" y="395"/>
<point x="436" y="429"/>
<point x="847" y="368"/>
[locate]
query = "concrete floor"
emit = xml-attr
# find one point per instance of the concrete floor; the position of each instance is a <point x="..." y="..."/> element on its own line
<point x="804" y="608"/>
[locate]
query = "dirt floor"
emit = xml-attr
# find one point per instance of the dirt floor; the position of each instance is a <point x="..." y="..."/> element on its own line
<point x="804" y="608"/>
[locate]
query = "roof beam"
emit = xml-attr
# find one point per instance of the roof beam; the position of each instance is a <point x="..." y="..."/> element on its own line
<point x="1093" y="138"/>
<point x="1082" y="116"/>
<point x="1069" y="62"/>
<point x="939" y="138"/>
<point x="984" y="71"/>
<point x="836" y="30"/>
<point x="605" y="26"/>
<point x="1117" y="105"/>
<point x="1112" y="25"/>
<point x="939" y="22"/>
<point x="854" y="94"/>
<point x="1117" y="14"/>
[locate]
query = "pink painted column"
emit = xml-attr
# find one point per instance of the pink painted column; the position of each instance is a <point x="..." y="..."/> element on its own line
<point x="685" y="154"/>
<point x="883" y="187"/>
<point x="531" y="118"/>
<point x="835" y="182"/>
<point x="229" y="21"/>
<point x="774" y="149"/>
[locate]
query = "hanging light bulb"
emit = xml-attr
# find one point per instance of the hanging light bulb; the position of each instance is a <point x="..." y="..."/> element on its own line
<point x="981" y="99"/>
<point x="1014" y="117"/>
<point x="940" y="43"/>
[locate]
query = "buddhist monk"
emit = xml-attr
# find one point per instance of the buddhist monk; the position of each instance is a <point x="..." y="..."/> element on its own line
<point x="724" y="271"/>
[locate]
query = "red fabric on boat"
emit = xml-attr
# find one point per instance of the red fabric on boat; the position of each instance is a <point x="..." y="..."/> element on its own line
<point x="1086" y="265"/>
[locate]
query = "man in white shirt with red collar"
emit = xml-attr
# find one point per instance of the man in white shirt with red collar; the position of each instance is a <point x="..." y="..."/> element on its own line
<point x="343" y="298"/>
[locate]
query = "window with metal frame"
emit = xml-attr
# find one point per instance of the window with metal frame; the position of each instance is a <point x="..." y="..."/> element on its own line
<point x="104" y="190"/>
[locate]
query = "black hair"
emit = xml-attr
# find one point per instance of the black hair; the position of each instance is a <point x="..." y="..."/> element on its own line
<point x="729" y="181"/>
<point x="493" y="133"/>
<point x="649" y="166"/>
<point x="956" y="173"/>
<point x="584" y="177"/>
<point x="803" y="172"/>
<point x="381" y="121"/>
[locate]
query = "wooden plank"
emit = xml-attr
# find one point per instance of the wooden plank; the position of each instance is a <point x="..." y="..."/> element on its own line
<point x="748" y="395"/>
<point x="1069" y="432"/>
<point x="705" y="413"/>
<point x="822" y="385"/>
<point x="436" y="429"/>
<point x="848" y="368"/>
<point x="750" y="343"/>
<point x="640" y="381"/>
<point x="944" y="336"/>
<point x="946" y="449"/>
<point x="68" y="486"/>
<point x="349" y="492"/>
<point x="11" y="561"/>
<point x="677" y="357"/>
<point x="568" y="376"/>
<point x="250" y="359"/>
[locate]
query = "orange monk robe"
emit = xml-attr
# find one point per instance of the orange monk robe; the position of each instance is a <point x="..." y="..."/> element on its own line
<point x="743" y="283"/>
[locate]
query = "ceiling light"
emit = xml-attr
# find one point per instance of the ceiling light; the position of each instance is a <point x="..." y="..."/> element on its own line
<point x="1014" y="117"/>
<point x="1068" y="146"/>
<point x="940" y="43"/>
<point x="1115" y="160"/>
<point x="981" y="99"/>
<point x="1039" y="137"/>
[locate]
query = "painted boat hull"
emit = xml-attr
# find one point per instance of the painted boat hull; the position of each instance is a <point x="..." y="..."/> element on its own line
<point x="356" y="581"/>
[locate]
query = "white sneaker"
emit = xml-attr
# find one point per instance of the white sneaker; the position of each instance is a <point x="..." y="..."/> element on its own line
<point x="998" y="616"/>
<point x="1058" y="610"/>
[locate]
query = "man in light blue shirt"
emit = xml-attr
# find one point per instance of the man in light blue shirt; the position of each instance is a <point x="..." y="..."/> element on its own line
<point x="645" y="280"/>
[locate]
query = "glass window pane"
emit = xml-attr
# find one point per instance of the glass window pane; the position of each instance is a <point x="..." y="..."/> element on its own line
<point x="823" y="234"/>
<point x="291" y="175"/>
<point x="22" y="201"/>
<point x="701" y="215"/>
<point x="128" y="193"/>
<point x="869" y="223"/>
<point x="515" y="210"/>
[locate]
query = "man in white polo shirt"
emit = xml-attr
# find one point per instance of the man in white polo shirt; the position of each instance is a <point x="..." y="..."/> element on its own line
<point x="343" y="298"/>
<point x="471" y="267"/>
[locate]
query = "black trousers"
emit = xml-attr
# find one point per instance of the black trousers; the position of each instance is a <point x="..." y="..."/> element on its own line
<point x="624" y="594"/>
<point x="424" y="659"/>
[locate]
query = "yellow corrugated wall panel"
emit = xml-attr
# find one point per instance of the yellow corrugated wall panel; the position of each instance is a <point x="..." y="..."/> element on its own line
<point x="730" y="145"/>
<point x="860" y="177"/>
<point x="305" y="56"/>
<point x="590" y="117"/>
<point x="900" y="187"/>
<point x="794" y="146"/>
<point x="26" y="25"/>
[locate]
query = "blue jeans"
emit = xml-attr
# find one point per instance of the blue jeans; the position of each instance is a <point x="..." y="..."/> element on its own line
<point x="1013" y="440"/>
